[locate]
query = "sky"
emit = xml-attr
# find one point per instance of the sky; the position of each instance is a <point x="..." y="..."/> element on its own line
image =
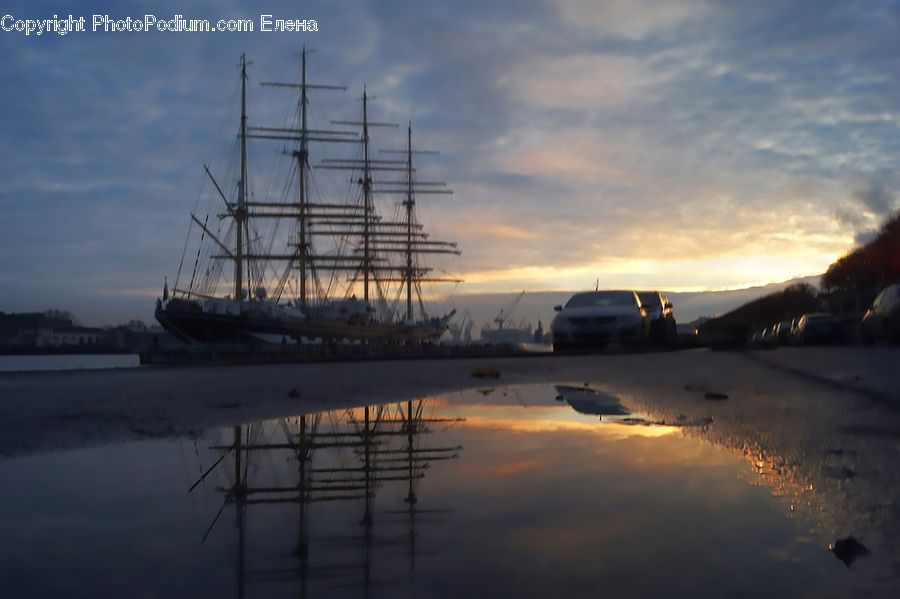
<point x="681" y="144"/>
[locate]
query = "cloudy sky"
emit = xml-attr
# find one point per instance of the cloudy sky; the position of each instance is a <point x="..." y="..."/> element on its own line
<point x="676" y="144"/>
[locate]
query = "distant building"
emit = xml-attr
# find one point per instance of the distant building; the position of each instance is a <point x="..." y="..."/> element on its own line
<point x="54" y="331"/>
<point x="16" y="329"/>
<point x="74" y="335"/>
<point x="36" y="330"/>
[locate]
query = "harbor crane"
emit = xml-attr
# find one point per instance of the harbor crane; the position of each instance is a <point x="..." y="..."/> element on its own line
<point x="505" y="313"/>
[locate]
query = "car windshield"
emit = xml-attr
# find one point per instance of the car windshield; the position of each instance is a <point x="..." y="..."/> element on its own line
<point x="650" y="299"/>
<point x="602" y="298"/>
<point x="884" y="296"/>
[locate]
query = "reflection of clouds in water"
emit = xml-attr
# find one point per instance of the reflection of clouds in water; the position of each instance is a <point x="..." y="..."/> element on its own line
<point x="836" y="479"/>
<point x="527" y="508"/>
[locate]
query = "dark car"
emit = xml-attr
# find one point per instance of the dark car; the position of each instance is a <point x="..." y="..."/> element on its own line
<point x="882" y="321"/>
<point x="795" y="331"/>
<point x="818" y="328"/>
<point x="662" y="318"/>
<point x="783" y="333"/>
<point x="599" y="317"/>
<point x="763" y="339"/>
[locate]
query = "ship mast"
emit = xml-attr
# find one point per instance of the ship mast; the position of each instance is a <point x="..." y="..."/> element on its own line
<point x="240" y="214"/>
<point x="302" y="163"/>
<point x="385" y="451"/>
<point x="301" y="210"/>
<point x="409" y="222"/>
<point x="414" y="244"/>
<point x="367" y="197"/>
<point x="373" y="228"/>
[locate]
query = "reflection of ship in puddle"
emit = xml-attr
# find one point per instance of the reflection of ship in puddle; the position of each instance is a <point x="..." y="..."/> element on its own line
<point x="340" y="457"/>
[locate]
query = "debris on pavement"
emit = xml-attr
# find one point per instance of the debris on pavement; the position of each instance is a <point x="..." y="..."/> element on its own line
<point x="848" y="550"/>
<point x="485" y="372"/>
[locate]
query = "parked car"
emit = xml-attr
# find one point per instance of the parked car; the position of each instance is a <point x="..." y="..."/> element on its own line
<point x="662" y="318"/>
<point x="763" y="339"/>
<point x="882" y="320"/>
<point x="818" y="328"/>
<point x="783" y="332"/>
<point x="795" y="331"/>
<point x="598" y="317"/>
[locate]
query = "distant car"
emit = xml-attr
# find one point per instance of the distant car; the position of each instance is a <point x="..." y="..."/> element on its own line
<point x="783" y="332"/>
<point x="795" y="331"/>
<point x="598" y="317"/>
<point x="762" y="339"/>
<point x="662" y="318"/>
<point x="882" y="320"/>
<point x="818" y="328"/>
<point x="755" y="339"/>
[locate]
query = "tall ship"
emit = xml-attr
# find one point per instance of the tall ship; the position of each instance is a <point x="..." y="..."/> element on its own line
<point x="297" y="261"/>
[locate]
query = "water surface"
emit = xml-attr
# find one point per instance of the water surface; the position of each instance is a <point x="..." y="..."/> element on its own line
<point x="68" y="362"/>
<point x="497" y="492"/>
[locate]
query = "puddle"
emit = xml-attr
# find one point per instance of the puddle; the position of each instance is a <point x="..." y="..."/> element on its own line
<point x="532" y="491"/>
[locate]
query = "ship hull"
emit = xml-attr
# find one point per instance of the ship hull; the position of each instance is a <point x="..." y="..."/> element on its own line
<point x="195" y="326"/>
<point x="187" y="322"/>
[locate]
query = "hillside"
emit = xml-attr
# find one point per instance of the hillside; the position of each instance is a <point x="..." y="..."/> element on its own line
<point x="869" y="267"/>
<point x="848" y="287"/>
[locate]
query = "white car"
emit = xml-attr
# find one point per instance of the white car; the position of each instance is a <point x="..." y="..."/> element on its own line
<point x="600" y="317"/>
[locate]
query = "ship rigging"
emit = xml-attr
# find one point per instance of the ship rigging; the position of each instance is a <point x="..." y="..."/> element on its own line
<point x="307" y="283"/>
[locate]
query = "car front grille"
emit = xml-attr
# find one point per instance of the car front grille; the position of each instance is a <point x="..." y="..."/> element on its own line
<point x="583" y="320"/>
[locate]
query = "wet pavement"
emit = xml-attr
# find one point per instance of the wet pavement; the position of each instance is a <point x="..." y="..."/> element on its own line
<point x="563" y="489"/>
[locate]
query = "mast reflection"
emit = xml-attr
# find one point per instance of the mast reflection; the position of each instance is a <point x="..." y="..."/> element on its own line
<point x="347" y="456"/>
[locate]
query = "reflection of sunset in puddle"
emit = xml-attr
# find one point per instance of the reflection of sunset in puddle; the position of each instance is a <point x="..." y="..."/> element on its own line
<point x="543" y="408"/>
<point x="558" y="420"/>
